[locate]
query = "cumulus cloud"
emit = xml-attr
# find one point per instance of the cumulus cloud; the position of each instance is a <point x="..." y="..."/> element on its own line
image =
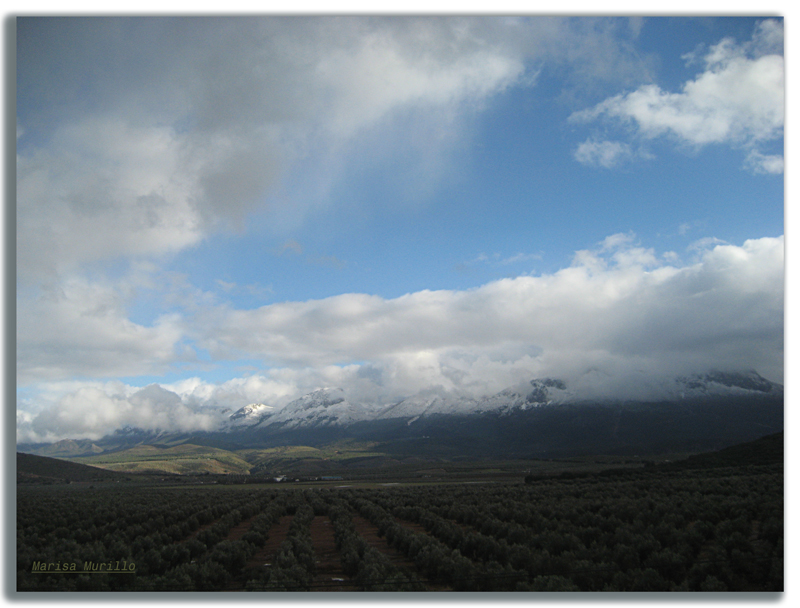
<point x="102" y="189"/>
<point x="615" y="294"/>
<point x="82" y="328"/>
<point x="738" y="100"/>
<point x="91" y="413"/>
<point x="134" y="142"/>
<point x="414" y="67"/>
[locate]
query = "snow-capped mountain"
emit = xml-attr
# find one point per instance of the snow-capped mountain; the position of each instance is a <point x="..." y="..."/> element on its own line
<point x="540" y="418"/>
<point x="536" y="393"/>
<point x="330" y="406"/>
<point x="727" y="383"/>
<point x="426" y="403"/>
<point x="250" y="415"/>
<point x="326" y="406"/>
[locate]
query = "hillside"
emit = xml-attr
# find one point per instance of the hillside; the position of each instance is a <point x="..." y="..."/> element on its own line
<point x="767" y="450"/>
<point x="41" y="469"/>
<point x="181" y="459"/>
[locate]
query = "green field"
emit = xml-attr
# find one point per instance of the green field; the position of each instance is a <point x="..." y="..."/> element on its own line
<point x="360" y="462"/>
<point x="190" y="459"/>
<point x="181" y="459"/>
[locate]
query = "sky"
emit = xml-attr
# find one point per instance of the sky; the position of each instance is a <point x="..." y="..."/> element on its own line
<point x="213" y="212"/>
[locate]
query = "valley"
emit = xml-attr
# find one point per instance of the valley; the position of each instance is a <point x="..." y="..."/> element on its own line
<point x="710" y="522"/>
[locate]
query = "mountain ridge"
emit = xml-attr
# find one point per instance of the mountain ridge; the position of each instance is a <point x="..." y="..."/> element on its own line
<point x="331" y="406"/>
<point x="536" y="418"/>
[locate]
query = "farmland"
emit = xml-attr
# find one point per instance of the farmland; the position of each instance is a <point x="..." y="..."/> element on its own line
<point x="191" y="459"/>
<point x="707" y="525"/>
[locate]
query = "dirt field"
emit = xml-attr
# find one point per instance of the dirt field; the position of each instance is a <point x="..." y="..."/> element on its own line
<point x="277" y="534"/>
<point x="240" y="529"/>
<point x="330" y="576"/>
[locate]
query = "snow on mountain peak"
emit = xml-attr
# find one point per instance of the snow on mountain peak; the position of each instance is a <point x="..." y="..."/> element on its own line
<point x="323" y="397"/>
<point x="321" y="407"/>
<point x="330" y="406"/>
<point x="427" y="403"/>
<point x="535" y="393"/>
<point x="716" y="382"/>
<point x="250" y="414"/>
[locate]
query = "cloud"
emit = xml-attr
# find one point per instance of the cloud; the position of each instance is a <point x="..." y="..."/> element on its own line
<point x="497" y="259"/>
<point x="607" y="154"/>
<point x="291" y="247"/>
<point x="705" y="243"/>
<point x="81" y="328"/>
<point x="133" y="140"/>
<point x="619" y="313"/>
<point x="92" y="412"/>
<point x="99" y="190"/>
<point x="738" y="100"/>
<point x="614" y="295"/>
<point x="410" y="65"/>
<point x="154" y="155"/>
<point x="134" y="143"/>
<point x="764" y="163"/>
<point x="520" y="257"/>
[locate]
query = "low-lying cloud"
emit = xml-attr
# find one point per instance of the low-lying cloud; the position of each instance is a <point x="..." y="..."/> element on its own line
<point x="616" y="322"/>
<point x="618" y="299"/>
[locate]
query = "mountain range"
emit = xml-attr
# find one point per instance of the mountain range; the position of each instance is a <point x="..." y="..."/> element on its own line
<point x="543" y="417"/>
<point x="330" y="406"/>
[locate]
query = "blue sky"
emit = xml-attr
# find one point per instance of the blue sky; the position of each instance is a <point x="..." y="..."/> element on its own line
<point x="247" y="209"/>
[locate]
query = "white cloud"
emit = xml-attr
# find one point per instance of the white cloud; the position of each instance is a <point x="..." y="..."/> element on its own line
<point x="520" y="257"/>
<point x="605" y="154"/>
<point x="614" y="295"/>
<point x="619" y="312"/>
<point x="764" y="163"/>
<point x="91" y="413"/>
<point x="158" y="162"/>
<point x="81" y="328"/>
<point x="384" y="71"/>
<point x="705" y="243"/>
<point x="738" y="100"/>
<point x="498" y="259"/>
<point x="617" y="241"/>
<point x="136" y="141"/>
<point x="99" y="190"/>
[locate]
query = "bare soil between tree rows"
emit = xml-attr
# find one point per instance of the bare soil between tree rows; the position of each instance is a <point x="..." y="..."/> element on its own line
<point x="369" y="532"/>
<point x="329" y="576"/>
<point x="265" y="556"/>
